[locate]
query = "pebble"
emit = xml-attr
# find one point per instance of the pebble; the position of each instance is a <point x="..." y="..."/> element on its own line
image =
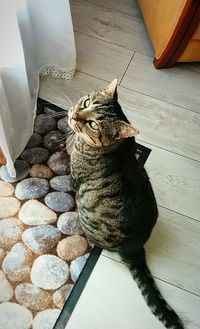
<point x="9" y="206"/>
<point x="35" y="155"/>
<point x="61" y="295"/>
<point x="15" y="316"/>
<point x="10" y="232"/>
<point x="77" y="265"/>
<point x="6" y="291"/>
<point x="31" y="188"/>
<point x="61" y="183"/>
<point x="41" y="171"/>
<point x="2" y="255"/>
<point x="49" y="272"/>
<point x="59" y="162"/>
<point x="6" y="189"/>
<point x="59" y="201"/>
<point x="72" y="247"/>
<point x="54" y="140"/>
<point x="22" y="170"/>
<point x="46" y="319"/>
<point x="32" y="297"/>
<point x="16" y="264"/>
<point x="68" y="223"/>
<point x="63" y="125"/>
<point x="34" y="212"/>
<point x="35" y="140"/>
<point x="42" y="238"/>
<point x="54" y="113"/>
<point x="44" y="123"/>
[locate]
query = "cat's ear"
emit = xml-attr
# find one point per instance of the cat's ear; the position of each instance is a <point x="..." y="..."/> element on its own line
<point x="125" y="130"/>
<point x="112" y="88"/>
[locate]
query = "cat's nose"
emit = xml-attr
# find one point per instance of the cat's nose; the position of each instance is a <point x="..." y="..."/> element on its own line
<point x="75" y="116"/>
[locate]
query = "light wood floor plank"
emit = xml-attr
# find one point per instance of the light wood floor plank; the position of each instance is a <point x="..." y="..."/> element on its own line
<point x="129" y="7"/>
<point x="116" y="302"/>
<point x="173" y="250"/>
<point x="110" y="25"/>
<point x="163" y="124"/>
<point x="56" y="90"/>
<point x="175" y="85"/>
<point x="101" y="59"/>
<point x="176" y="181"/>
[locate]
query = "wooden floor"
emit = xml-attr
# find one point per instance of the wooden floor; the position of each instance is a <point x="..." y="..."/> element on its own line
<point x="111" y="42"/>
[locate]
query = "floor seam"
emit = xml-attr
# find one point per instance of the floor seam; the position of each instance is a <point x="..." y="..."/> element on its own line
<point x="141" y="93"/>
<point x="179" y="213"/>
<point x="127" y="67"/>
<point x="159" y="99"/>
<point x="162" y="148"/>
<point x="119" y="11"/>
<point x="115" y="44"/>
<point x="155" y="277"/>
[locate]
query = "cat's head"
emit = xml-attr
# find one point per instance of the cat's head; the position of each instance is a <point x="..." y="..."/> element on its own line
<point x="99" y="119"/>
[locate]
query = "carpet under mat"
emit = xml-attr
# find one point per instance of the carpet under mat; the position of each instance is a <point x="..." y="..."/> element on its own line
<point x="42" y="247"/>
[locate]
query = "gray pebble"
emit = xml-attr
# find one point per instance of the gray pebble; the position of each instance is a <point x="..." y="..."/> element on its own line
<point x="63" y="125"/>
<point x="31" y="188"/>
<point x="35" y="140"/>
<point x="59" y="201"/>
<point x="35" y="155"/>
<point x="42" y="238"/>
<point x="22" y="170"/>
<point x="59" y="162"/>
<point x="61" y="183"/>
<point x="68" y="223"/>
<point x="54" y="140"/>
<point x="44" y="123"/>
<point x="77" y="266"/>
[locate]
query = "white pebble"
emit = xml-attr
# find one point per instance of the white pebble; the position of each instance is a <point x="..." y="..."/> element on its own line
<point x="9" y="206"/>
<point x="34" y="212"/>
<point x="6" y="291"/>
<point x="14" y="316"/>
<point x="10" y="231"/>
<point x="6" y="189"/>
<point x="46" y="319"/>
<point x="32" y="297"/>
<point x="61" y="295"/>
<point x="16" y="264"/>
<point x="49" y="272"/>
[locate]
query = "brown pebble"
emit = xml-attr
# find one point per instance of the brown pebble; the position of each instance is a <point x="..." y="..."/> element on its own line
<point x="72" y="247"/>
<point x="41" y="171"/>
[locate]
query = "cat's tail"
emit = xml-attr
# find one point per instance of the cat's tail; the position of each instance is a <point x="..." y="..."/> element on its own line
<point x="150" y="292"/>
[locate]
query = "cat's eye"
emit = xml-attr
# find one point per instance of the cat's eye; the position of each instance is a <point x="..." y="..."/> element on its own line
<point x="86" y="103"/>
<point x="93" y="125"/>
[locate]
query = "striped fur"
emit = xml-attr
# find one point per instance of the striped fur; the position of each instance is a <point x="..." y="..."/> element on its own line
<point x="115" y="200"/>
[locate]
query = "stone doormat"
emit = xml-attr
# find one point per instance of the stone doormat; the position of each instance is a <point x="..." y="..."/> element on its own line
<point x="42" y="246"/>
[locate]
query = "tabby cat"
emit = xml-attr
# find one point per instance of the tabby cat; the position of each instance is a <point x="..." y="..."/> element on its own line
<point x="115" y="200"/>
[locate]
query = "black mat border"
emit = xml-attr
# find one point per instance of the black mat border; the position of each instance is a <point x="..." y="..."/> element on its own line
<point x="96" y="251"/>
